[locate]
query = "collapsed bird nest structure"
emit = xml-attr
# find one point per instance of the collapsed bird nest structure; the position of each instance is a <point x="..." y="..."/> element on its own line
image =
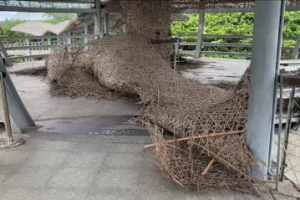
<point x="198" y="131"/>
<point x="68" y="77"/>
<point x="212" y="119"/>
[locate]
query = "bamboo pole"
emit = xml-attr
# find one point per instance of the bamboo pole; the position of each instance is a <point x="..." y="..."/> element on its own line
<point x="196" y="137"/>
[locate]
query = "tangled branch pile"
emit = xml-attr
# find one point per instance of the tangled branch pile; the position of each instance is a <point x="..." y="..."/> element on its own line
<point x="214" y="152"/>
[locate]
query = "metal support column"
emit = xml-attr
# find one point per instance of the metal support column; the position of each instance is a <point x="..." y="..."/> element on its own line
<point x="264" y="68"/>
<point x="7" y="142"/>
<point x="19" y="117"/>
<point x="200" y="33"/>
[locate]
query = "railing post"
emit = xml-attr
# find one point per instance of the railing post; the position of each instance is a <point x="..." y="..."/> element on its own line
<point x="49" y="43"/>
<point x="85" y="27"/>
<point x="97" y="20"/>
<point x="28" y="47"/>
<point x="296" y="50"/>
<point x="106" y="30"/>
<point x="4" y="52"/>
<point x="200" y="33"/>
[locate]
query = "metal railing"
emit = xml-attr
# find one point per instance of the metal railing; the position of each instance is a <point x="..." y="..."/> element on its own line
<point x="247" y="53"/>
<point x="31" y="47"/>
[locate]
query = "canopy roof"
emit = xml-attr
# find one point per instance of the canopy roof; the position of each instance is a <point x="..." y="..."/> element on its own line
<point x="88" y="6"/>
<point x="42" y="28"/>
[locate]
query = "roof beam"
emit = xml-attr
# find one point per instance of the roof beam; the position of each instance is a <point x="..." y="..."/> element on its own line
<point x="47" y="10"/>
<point x="232" y="10"/>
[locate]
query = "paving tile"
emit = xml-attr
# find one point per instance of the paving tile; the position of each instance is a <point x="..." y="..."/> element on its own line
<point x="153" y="180"/>
<point x="10" y="157"/>
<point x="210" y="195"/>
<point x="85" y="160"/>
<point x="112" y="194"/>
<point x="6" y="172"/>
<point x="64" y="194"/>
<point x="21" y="194"/>
<point x="117" y="178"/>
<point x="73" y="178"/>
<point x="59" y="145"/>
<point x="123" y="160"/>
<point x="30" y="177"/>
<point x="31" y="144"/>
<point x="150" y="194"/>
<point x="109" y="147"/>
<point x="46" y="158"/>
<point x="90" y="147"/>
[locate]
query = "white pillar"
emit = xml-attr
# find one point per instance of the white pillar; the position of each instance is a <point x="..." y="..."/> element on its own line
<point x="200" y="33"/>
<point x="264" y="65"/>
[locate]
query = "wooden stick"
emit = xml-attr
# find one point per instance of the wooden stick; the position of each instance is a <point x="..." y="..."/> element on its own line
<point x="196" y="137"/>
<point x="207" y="168"/>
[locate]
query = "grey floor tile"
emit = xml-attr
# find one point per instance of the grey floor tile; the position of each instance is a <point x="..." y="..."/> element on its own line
<point x="6" y="172"/>
<point x="112" y="194"/>
<point x="117" y="178"/>
<point x="64" y="194"/>
<point x="243" y="196"/>
<point x="123" y="160"/>
<point x="85" y="160"/>
<point x="59" y="145"/>
<point x="30" y="177"/>
<point x="21" y="194"/>
<point x="154" y="180"/>
<point x="31" y="144"/>
<point x="109" y="147"/>
<point x="47" y="158"/>
<point x="91" y="147"/>
<point x="151" y="194"/>
<point x="210" y="195"/>
<point x="73" y="178"/>
<point x="10" y="157"/>
<point x="127" y="148"/>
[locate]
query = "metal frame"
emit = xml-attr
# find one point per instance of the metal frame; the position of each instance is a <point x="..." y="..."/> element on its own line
<point x="20" y="118"/>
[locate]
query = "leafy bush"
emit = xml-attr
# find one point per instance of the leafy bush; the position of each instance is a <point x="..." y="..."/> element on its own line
<point x="233" y="24"/>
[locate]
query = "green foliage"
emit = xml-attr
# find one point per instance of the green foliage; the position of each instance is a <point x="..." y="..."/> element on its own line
<point x="232" y="24"/>
<point x="7" y="25"/>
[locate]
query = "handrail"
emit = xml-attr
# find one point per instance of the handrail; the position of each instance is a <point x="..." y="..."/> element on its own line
<point x="234" y="45"/>
<point x="48" y="37"/>
<point x="230" y="36"/>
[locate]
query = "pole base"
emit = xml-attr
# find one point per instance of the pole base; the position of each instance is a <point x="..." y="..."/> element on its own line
<point x="6" y="144"/>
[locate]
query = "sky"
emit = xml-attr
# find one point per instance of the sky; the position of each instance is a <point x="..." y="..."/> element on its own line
<point x="20" y="15"/>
